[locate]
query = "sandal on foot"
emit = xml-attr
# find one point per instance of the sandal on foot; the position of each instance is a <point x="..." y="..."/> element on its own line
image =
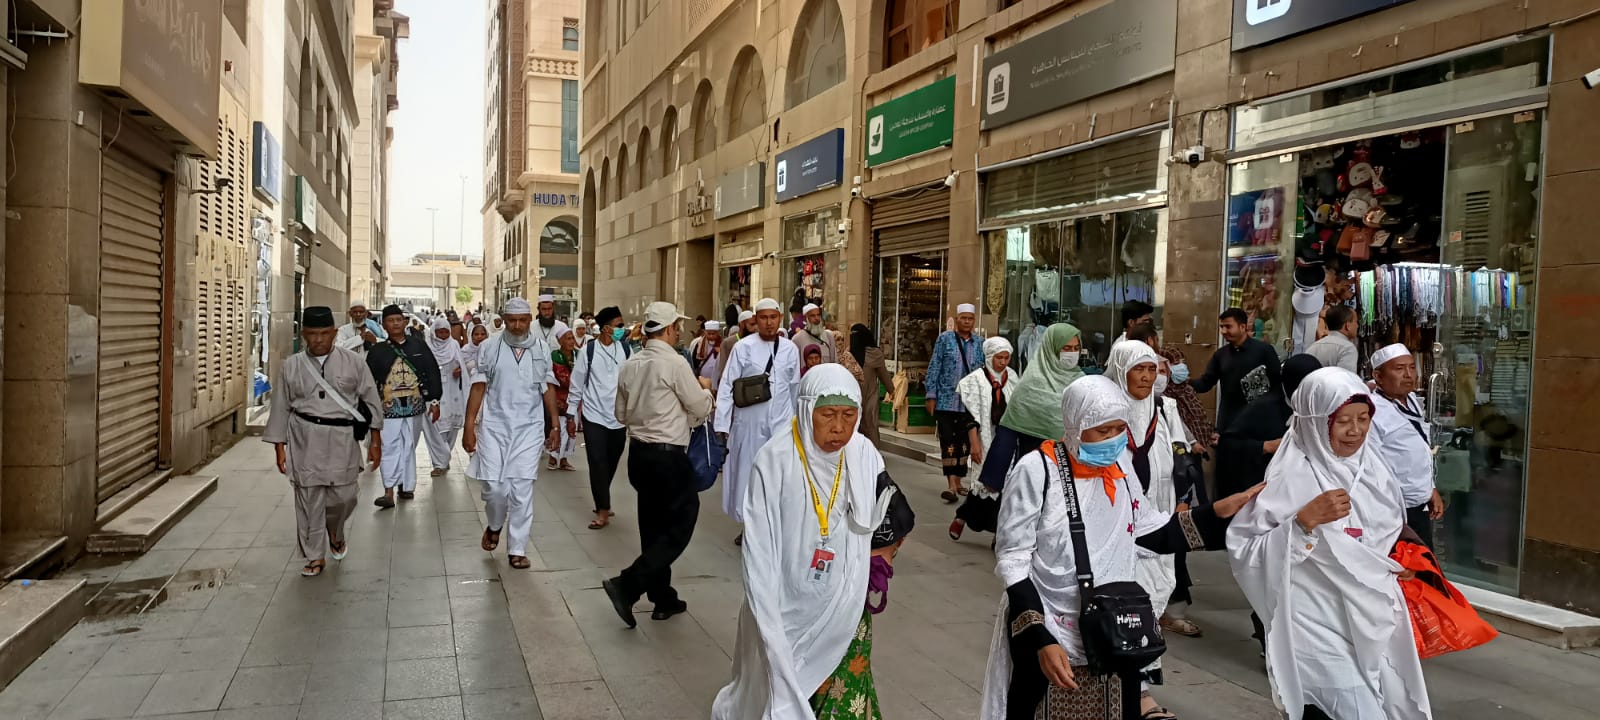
<point x="566" y="466"/>
<point x="407" y="495"/>
<point x="1158" y="713"/>
<point x="491" y="540"/>
<point x="956" y="528"/>
<point x="600" y="521"/>
<point x="949" y="497"/>
<point x="519" y="562"/>
<point x="962" y="491"/>
<point x="1181" y="626"/>
<point x="339" y="549"/>
<point x="437" y="472"/>
<point x="312" y="569"/>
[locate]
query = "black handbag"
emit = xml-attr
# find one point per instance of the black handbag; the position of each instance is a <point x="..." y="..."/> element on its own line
<point x="1117" y="622"/>
<point x="1188" y="474"/>
<point x="755" y="389"/>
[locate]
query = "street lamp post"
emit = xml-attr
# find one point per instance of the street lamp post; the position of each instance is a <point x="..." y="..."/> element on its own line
<point x="433" y="252"/>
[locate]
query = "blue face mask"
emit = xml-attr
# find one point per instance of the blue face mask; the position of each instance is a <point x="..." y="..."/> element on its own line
<point x="1180" y="373"/>
<point x="1103" y="453"/>
<point x="618" y="333"/>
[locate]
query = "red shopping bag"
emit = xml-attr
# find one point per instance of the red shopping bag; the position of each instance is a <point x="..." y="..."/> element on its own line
<point x="1442" y="621"/>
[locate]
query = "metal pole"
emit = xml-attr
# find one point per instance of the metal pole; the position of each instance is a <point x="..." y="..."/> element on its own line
<point x="433" y="253"/>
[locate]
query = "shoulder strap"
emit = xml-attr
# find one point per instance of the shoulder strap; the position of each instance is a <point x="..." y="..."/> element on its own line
<point x="323" y="383"/>
<point x="774" y="357"/>
<point x="1080" y="543"/>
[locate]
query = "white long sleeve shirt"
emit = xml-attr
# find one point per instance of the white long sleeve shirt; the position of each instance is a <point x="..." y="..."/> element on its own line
<point x="594" y="386"/>
<point x="1400" y="430"/>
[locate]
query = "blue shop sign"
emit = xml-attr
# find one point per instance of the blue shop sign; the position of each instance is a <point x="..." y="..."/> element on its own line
<point x="816" y="164"/>
<point x="266" y="163"/>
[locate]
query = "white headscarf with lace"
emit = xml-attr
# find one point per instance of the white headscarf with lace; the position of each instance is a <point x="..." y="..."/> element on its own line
<point x="1125" y="356"/>
<point x="1089" y="402"/>
<point x="446" y="351"/>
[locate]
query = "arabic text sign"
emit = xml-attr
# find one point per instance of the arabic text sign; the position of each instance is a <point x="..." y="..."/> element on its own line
<point x="918" y="121"/>
<point x="739" y="191"/>
<point x="1258" y="22"/>
<point x="813" y="165"/>
<point x="1097" y="52"/>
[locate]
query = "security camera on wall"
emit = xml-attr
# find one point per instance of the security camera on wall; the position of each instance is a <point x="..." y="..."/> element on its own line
<point x="1592" y="79"/>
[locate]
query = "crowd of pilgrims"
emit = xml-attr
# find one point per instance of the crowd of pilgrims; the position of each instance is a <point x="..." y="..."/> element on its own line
<point x="1092" y="485"/>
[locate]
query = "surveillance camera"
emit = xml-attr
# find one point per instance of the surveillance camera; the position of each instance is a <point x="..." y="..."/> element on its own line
<point x="950" y="180"/>
<point x="772" y="256"/>
<point x="844" y="226"/>
<point x="223" y="183"/>
<point x="1592" y="79"/>
<point x="1194" y="155"/>
<point x="855" y="192"/>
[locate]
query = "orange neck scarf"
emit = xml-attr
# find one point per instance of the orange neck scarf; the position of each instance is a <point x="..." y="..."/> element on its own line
<point x="1108" y="475"/>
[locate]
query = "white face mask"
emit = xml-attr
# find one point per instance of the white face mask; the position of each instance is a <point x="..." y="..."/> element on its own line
<point x="1069" y="358"/>
<point x="1160" y="386"/>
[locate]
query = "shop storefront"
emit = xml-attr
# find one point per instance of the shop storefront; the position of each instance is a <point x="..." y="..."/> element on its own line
<point x="810" y="239"/>
<point x="739" y="268"/>
<point x="911" y="237"/>
<point x="1412" y="196"/>
<point x="1072" y="235"/>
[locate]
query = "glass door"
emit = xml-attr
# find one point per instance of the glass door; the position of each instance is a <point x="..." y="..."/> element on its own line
<point x="1478" y="381"/>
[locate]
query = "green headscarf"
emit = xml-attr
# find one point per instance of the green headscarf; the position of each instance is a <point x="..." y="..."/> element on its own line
<point x="1035" y="409"/>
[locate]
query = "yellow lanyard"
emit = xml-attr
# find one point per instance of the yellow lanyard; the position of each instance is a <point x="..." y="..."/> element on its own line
<point x="816" y="499"/>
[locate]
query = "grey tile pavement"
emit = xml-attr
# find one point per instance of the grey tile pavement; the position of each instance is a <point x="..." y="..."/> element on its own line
<point x="215" y="623"/>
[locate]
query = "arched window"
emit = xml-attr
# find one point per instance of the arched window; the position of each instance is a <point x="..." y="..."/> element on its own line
<point x="605" y="183"/>
<point x="624" y="178"/>
<point x="747" y="94"/>
<point x="669" y="142"/>
<point x="644" y="159"/>
<point x="911" y="26"/>
<point x="817" y="52"/>
<point x="705" y="121"/>
<point x="560" y="237"/>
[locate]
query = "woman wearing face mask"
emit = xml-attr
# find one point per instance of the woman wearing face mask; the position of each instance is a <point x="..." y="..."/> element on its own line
<point x="1312" y="555"/>
<point x="985" y="393"/>
<point x="1190" y="410"/>
<point x="1037" y="646"/>
<point x="1033" y="416"/>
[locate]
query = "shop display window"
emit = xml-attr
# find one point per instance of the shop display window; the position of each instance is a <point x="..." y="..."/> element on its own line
<point x="804" y="272"/>
<point x="1074" y="271"/>
<point x="1431" y="236"/>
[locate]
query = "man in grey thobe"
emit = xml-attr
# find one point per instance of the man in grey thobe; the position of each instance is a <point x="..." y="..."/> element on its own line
<point x="313" y="435"/>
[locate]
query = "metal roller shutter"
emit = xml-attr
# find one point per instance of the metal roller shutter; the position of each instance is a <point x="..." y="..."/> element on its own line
<point x="129" y="387"/>
<point x="912" y="224"/>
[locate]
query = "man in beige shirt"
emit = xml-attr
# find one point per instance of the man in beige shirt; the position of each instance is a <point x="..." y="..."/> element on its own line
<point x="660" y="400"/>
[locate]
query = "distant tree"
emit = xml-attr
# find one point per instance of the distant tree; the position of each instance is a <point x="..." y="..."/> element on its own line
<point x="463" y="295"/>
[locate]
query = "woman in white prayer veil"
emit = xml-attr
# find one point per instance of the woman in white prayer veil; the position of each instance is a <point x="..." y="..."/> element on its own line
<point x="440" y="436"/>
<point x="809" y="517"/>
<point x="1312" y="555"/>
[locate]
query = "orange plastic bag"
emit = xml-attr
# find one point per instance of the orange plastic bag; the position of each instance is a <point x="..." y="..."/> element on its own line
<point x="1442" y="621"/>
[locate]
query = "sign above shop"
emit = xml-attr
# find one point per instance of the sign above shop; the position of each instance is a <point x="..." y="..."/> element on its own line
<point x="555" y="199"/>
<point x="921" y="120"/>
<point x="163" y="55"/>
<point x="305" y="203"/>
<point x="1099" y="51"/>
<point x="266" y="164"/>
<point x="1258" y="22"/>
<point x="816" y="164"/>
<point x="739" y="191"/>
<point x="697" y="206"/>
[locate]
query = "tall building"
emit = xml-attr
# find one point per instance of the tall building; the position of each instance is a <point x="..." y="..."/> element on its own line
<point x="530" y="209"/>
<point x="378" y="30"/>
<point x="320" y="117"/>
<point x="1424" y="161"/>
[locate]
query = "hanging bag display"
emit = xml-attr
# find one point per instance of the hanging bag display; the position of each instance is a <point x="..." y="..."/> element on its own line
<point x="1118" y="623"/>
<point x="755" y="389"/>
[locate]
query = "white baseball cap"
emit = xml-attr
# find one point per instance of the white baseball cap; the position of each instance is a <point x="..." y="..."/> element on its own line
<point x="658" y="315"/>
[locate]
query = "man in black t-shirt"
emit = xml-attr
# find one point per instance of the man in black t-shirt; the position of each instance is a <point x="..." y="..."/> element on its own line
<point x="407" y="376"/>
<point x="1247" y="368"/>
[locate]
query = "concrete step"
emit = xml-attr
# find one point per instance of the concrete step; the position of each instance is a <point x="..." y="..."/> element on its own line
<point x="33" y="615"/>
<point x="26" y="556"/>
<point x="138" y="528"/>
<point x="1529" y="620"/>
<point x="924" y="448"/>
<point x="131" y="495"/>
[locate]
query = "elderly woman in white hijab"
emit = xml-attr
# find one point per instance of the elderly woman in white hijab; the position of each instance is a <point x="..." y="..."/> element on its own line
<point x="453" y="376"/>
<point x="812" y="507"/>
<point x="1037" y="653"/>
<point x="1312" y="555"/>
<point x="984" y="393"/>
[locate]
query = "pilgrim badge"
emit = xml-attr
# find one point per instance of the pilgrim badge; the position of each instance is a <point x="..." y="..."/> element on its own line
<point x="821" y="563"/>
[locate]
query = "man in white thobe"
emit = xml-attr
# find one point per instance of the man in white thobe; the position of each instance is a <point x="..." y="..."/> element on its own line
<point x="1401" y="431"/>
<point x="746" y="429"/>
<point x="361" y="332"/>
<point x="512" y="391"/>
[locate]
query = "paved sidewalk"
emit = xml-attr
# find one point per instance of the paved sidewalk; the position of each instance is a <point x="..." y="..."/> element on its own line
<point x="215" y="623"/>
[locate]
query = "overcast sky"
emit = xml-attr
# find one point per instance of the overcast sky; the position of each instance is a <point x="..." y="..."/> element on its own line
<point x="438" y="130"/>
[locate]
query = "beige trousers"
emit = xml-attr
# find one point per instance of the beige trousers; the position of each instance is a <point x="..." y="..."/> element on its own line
<point x="320" y="514"/>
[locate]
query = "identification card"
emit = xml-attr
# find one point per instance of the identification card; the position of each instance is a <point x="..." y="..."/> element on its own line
<point x="821" y="564"/>
<point x="1353" y="532"/>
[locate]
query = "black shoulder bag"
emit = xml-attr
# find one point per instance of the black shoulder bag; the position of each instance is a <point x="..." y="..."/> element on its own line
<point x="756" y="389"/>
<point x="1117" y="622"/>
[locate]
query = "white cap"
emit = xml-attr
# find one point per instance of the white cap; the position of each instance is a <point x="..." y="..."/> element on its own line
<point x="358" y="304"/>
<point x="1389" y="352"/>
<point x="547" y="299"/>
<point x="768" y="304"/>
<point x="808" y="308"/>
<point x="965" y="308"/>
<point x="713" y="325"/>
<point x="517" y="306"/>
<point x="746" y="315"/>
<point x="658" y="315"/>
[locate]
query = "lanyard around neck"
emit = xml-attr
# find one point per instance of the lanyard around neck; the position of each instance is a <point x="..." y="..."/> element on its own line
<point x="816" y="499"/>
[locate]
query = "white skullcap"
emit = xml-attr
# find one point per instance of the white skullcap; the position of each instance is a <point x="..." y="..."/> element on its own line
<point x="964" y="308"/>
<point x="768" y="304"/>
<point x="808" y="308"/>
<point x="358" y="304"/>
<point x="746" y="315"/>
<point x="517" y="306"/>
<point x="1387" y="353"/>
<point x="547" y="298"/>
<point x="713" y="325"/>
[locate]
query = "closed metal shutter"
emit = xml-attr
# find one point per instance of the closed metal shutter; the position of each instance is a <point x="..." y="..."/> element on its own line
<point x="913" y="224"/>
<point x="129" y="392"/>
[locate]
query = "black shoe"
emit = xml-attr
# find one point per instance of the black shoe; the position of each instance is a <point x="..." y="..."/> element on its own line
<point x="406" y="495"/>
<point x="384" y="501"/>
<point x="620" y="604"/>
<point x="662" y="612"/>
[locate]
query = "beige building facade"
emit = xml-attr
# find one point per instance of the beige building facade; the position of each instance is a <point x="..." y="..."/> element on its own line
<point x="378" y="29"/>
<point x="530" y="210"/>
<point x="1422" y="161"/>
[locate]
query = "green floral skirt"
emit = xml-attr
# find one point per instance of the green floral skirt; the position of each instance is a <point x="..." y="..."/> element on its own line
<point x="848" y="694"/>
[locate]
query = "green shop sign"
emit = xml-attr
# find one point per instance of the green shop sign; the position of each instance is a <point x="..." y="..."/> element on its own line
<point x="919" y="121"/>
